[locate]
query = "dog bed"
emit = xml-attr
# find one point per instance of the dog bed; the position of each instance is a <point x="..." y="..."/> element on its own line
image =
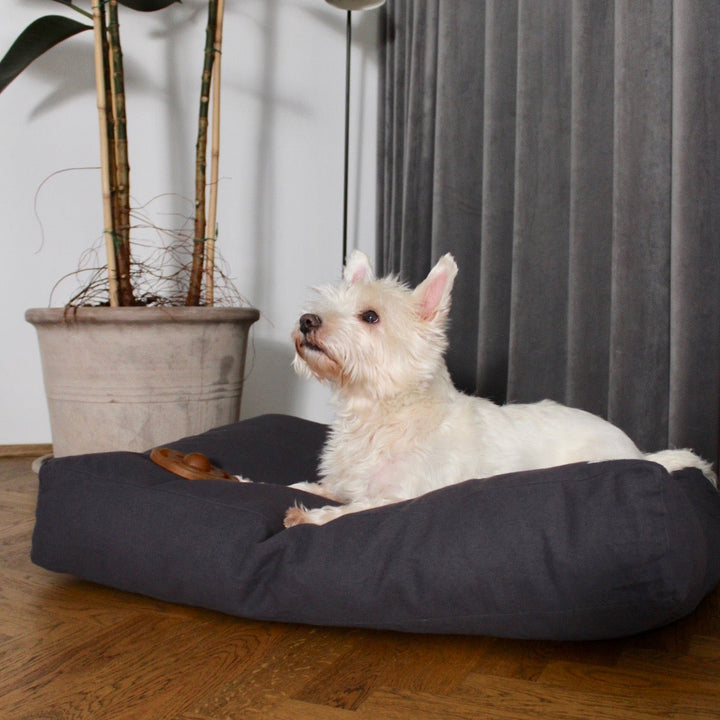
<point x="583" y="551"/>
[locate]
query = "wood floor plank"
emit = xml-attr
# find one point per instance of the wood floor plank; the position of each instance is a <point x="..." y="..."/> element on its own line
<point x="35" y="601"/>
<point x="510" y="699"/>
<point x="432" y="663"/>
<point x="297" y="655"/>
<point x="297" y="709"/>
<point x="517" y="698"/>
<point x="347" y="682"/>
<point x="389" y="704"/>
<point x="351" y="677"/>
<point x="704" y="647"/>
<point x="16" y="474"/>
<point x="13" y="502"/>
<point x="635" y="683"/>
<point x="175" y="663"/>
<point x="696" y="674"/>
<point x="526" y="659"/>
<point x="422" y="663"/>
<point x="13" y="544"/>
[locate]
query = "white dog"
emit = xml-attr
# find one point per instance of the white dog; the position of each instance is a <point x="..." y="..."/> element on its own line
<point x="402" y="429"/>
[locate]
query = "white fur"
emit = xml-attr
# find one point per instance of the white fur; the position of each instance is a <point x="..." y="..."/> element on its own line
<point x="402" y="429"/>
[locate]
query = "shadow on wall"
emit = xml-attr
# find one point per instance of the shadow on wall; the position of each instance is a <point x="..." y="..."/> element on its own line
<point x="271" y="385"/>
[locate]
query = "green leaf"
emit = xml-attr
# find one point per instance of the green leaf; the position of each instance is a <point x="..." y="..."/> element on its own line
<point x="33" y="41"/>
<point x="147" y="5"/>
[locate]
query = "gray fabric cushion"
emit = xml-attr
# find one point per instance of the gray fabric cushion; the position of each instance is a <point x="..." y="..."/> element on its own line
<point x="582" y="551"/>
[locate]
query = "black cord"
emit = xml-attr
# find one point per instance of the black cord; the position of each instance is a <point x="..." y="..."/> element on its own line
<point x="347" y="137"/>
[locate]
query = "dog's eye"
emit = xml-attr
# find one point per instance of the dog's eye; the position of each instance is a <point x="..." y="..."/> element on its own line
<point x="370" y="317"/>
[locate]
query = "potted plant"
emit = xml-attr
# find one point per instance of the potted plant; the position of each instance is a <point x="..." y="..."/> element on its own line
<point x="133" y="369"/>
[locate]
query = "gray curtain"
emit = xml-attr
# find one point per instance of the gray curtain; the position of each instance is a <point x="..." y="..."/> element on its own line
<point x="568" y="154"/>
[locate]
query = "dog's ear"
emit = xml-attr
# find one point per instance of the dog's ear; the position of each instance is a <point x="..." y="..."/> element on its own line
<point x="357" y="268"/>
<point x="433" y="293"/>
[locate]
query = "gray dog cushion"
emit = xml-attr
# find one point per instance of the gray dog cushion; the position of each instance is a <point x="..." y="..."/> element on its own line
<point x="583" y="551"/>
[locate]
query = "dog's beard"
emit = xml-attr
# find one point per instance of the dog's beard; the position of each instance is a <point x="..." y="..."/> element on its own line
<point x="307" y="344"/>
<point x="313" y="358"/>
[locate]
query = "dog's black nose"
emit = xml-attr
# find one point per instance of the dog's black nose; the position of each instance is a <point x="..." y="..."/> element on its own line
<point x="309" y="322"/>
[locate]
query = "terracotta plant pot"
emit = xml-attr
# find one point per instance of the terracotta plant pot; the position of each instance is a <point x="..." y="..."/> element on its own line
<point x="135" y="378"/>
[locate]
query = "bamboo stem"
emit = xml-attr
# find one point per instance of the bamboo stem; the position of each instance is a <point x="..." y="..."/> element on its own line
<point x="121" y="185"/>
<point x="214" y="159"/>
<point x="97" y="11"/>
<point x="196" y="271"/>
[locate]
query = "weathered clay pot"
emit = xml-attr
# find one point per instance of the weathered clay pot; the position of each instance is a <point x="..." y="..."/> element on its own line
<point x="135" y="378"/>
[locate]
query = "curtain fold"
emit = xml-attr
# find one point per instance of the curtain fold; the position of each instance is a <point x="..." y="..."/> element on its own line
<point x="567" y="153"/>
<point x="591" y="206"/>
<point x="497" y="206"/>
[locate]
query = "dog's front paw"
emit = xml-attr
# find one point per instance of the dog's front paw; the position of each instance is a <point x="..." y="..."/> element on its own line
<point x="295" y="516"/>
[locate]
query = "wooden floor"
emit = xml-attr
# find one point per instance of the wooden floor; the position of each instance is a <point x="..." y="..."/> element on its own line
<point x="69" y="649"/>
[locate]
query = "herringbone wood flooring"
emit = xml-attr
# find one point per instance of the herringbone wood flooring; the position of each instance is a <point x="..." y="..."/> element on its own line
<point x="69" y="649"/>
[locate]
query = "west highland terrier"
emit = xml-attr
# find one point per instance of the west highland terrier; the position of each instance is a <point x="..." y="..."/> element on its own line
<point x="402" y="429"/>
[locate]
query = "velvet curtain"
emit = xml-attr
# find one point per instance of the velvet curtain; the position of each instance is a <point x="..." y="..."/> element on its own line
<point x="567" y="152"/>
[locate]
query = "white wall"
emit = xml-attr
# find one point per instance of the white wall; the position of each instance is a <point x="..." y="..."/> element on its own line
<point x="280" y="215"/>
